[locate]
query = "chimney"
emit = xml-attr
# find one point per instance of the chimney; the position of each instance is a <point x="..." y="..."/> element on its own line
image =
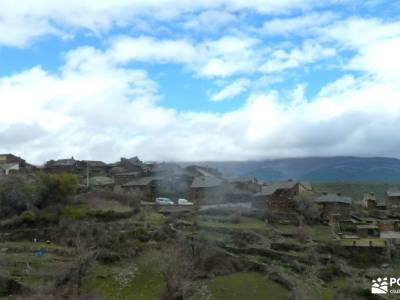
<point x="339" y="194"/>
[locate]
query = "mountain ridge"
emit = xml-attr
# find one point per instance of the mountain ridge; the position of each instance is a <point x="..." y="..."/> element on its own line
<point x="315" y="169"/>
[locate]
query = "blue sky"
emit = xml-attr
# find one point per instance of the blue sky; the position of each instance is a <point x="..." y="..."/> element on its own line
<point x="204" y="80"/>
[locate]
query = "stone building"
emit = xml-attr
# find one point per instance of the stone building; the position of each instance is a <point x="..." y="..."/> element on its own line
<point x="392" y="201"/>
<point x="334" y="207"/>
<point x="206" y="190"/>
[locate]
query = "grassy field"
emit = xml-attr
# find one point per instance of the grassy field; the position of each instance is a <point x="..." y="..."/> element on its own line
<point x="19" y="261"/>
<point x="246" y="285"/>
<point x="138" y="279"/>
<point x="224" y="222"/>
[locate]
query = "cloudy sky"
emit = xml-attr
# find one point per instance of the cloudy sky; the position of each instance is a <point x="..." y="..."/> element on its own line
<point x="199" y="80"/>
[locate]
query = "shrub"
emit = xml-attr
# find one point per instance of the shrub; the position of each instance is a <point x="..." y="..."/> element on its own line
<point x="107" y="257"/>
<point x="140" y="234"/>
<point x="29" y="217"/>
<point x="76" y="212"/>
<point x="16" y="195"/>
<point x="56" y="188"/>
<point x="235" y="218"/>
<point x="329" y="273"/>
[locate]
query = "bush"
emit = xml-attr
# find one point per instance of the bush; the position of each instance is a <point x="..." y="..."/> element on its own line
<point x="56" y="188"/>
<point x="329" y="273"/>
<point x="76" y="212"/>
<point x="107" y="257"/>
<point x="16" y="195"/>
<point x="29" y="217"/>
<point x="140" y="234"/>
<point x="235" y="218"/>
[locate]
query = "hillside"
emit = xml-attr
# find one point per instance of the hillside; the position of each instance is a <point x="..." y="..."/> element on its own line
<point x="316" y="169"/>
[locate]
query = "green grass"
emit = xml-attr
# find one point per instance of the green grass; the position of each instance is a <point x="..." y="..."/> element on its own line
<point x="21" y="263"/>
<point x="224" y="222"/>
<point x="107" y="205"/>
<point x="320" y="233"/>
<point x="77" y="212"/>
<point x="150" y="216"/>
<point x="328" y="292"/>
<point x="248" y="286"/>
<point x="146" y="284"/>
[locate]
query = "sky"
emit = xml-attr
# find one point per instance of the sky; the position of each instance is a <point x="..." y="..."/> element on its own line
<point x="199" y="80"/>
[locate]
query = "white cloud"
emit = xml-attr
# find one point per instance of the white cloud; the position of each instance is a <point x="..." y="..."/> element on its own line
<point x="234" y="89"/>
<point x="223" y="57"/>
<point x="375" y="42"/>
<point x="114" y="111"/>
<point x="210" y="20"/>
<point x="43" y="17"/>
<point x="310" y="52"/>
<point x="299" y="25"/>
<point x="356" y="33"/>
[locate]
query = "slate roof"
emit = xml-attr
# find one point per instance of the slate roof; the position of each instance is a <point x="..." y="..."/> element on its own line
<point x="307" y="185"/>
<point x="133" y="174"/>
<point x="393" y="192"/>
<point x="64" y="162"/>
<point x="206" y="182"/>
<point x="101" y="180"/>
<point x="95" y="163"/>
<point x="272" y="188"/>
<point x="143" y="181"/>
<point x="334" y="198"/>
<point x="367" y="226"/>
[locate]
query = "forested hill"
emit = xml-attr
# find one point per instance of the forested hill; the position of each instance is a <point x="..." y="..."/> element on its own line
<point x="316" y="169"/>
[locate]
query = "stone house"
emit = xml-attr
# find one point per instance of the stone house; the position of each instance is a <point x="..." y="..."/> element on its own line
<point x="206" y="190"/>
<point x="64" y="165"/>
<point x="134" y="164"/>
<point x="145" y="188"/>
<point x="370" y="201"/>
<point x="388" y="225"/>
<point x="122" y="178"/>
<point x="10" y="163"/>
<point x="334" y="207"/>
<point x="280" y="196"/>
<point x="9" y="168"/>
<point x="392" y="201"/>
<point x="367" y="230"/>
<point x="97" y="167"/>
<point x="11" y="158"/>
<point x="102" y="182"/>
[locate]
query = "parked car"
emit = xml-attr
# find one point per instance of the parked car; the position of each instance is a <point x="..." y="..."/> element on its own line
<point x="184" y="202"/>
<point x="164" y="201"/>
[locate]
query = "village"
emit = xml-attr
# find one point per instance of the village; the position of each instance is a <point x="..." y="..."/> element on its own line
<point x="205" y="187"/>
<point x="275" y="220"/>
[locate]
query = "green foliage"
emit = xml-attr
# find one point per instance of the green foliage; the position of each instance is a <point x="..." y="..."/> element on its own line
<point x="16" y="195"/>
<point x="76" y="212"/>
<point x="28" y="217"/>
<point x="56" y="188"/>
<point x="329" y="273"/>
<point x="140" y="234"/>
<point x="247" y="285"/>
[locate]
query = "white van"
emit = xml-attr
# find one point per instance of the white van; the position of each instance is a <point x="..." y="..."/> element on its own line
<point x="164" y="201"/>
<point x="184" y="202"/>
